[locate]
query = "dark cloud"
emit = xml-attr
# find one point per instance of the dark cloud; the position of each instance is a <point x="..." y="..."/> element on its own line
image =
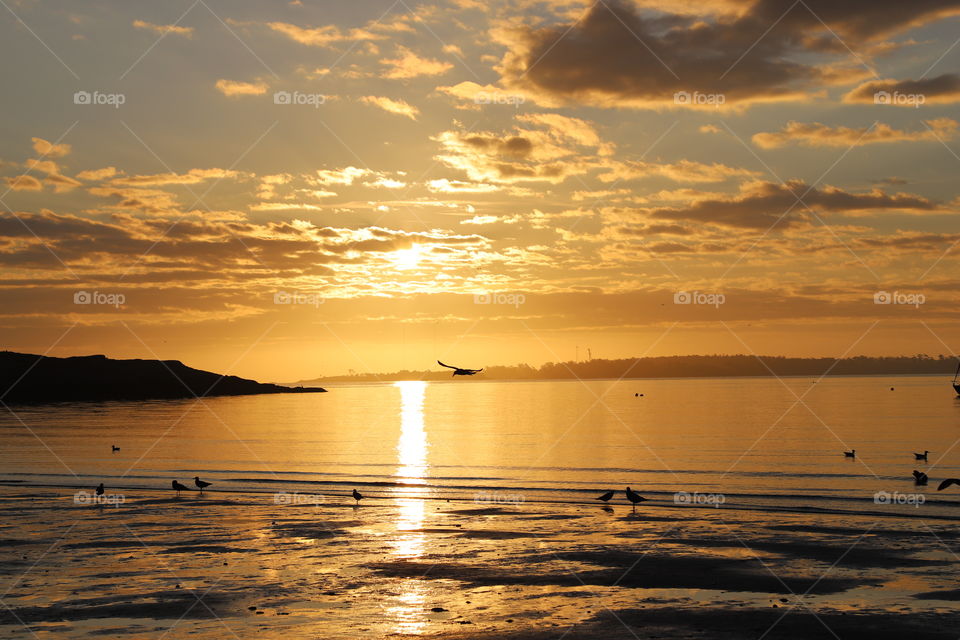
<point x="615" y="56"/>
<point x="760" y="205"/>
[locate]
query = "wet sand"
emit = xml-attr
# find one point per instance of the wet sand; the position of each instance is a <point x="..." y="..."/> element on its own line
<point x="241" y="565"/>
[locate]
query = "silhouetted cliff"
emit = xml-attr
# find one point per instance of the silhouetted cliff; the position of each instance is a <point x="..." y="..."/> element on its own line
<point x="37" y="379"/>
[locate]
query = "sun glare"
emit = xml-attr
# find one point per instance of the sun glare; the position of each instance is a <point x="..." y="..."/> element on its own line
<point x="408" y="258"/>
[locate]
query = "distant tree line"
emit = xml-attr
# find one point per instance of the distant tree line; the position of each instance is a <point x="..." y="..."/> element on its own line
<point x="707" y="366"/>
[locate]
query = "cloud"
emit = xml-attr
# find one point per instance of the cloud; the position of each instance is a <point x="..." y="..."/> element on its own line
<point x="232" y="88"/>
<point x="330" y="35"/>
<point x="815" y="134"/>
<point x="164" y="29"/>
<point x="761" y="205"/>
<point x="410" y="65"/>
<point x="98" y="174"/>
<point x="943" y="89"/>
<point x="48" y="149"/>
<point x="61" y="183"/>
<point x="24" y="183"/>
<point x="681" y="171"/>
<point x="340" y="176"/>
<point x="193" y="176"/>
<point x="616" y="56"/>
<point x="443" y="185"/>
<point x="398" y="107"/>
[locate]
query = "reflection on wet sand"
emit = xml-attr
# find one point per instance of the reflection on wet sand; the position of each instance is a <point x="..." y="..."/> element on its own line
<point x="409" y="609"/>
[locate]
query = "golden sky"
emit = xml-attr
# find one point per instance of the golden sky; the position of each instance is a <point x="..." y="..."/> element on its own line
<point x="291" y="189"/>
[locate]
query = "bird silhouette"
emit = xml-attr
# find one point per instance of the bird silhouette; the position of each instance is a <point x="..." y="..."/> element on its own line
<point x="850" y="454"/>
<point x="100" y="489"/>
<point x="179" y="487"/>
<point x="919" y="477"/>
<point x="634" y="497"/>
<point x="948" y="482"/>
<point x="605" y="497"/>
<point x="457" y="371"/>
<point x="200" y="483"/>
<point x="920" y="456"/>
<point x="357" y="496"/>
<point x="114" y="447"/>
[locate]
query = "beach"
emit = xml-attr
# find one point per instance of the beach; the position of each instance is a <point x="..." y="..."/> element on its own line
<point x="285" y="565"/>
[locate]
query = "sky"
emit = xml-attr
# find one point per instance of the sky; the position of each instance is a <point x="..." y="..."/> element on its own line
<point x="285" y="190"/>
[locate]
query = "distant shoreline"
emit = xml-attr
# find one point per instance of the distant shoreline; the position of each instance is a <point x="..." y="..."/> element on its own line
<point x="677" y="367"/>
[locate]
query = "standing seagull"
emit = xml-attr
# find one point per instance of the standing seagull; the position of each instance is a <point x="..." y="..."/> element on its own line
<point x="605" y="497"/>
<point x="850" y="454"/>
<point x="919" y="477"/>
<point x="357" y="496"/>
<point x="200" y="483"/>
<point x="946" y="483"/>
<point x="457" y="371"/>
<point x="921" y="456"/>
<point x="179" y="487"/>
<point x="634" y="497"/>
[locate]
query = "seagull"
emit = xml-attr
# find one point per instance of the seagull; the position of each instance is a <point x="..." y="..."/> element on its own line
<point x="921" y="456"/>
<point x="919" y="477"/>
<point x="200" y="483"/>
<point x="100" y="489"/>
<point x="605" y="497"/>
<point x="634" y="497"/>
<point x="946" y="483"/>
<point x="179" y="487"/>
<point x="114" y="447"/>
<point x="357" y="496"/>
<point x="457" y="371"/>
<point x="850" y="454"/>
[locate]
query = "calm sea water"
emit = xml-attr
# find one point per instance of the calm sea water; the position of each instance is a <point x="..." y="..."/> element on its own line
<point x="759" y="443"/>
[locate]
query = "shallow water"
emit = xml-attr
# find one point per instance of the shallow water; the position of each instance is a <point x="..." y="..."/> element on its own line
<point x="748" y="443"/>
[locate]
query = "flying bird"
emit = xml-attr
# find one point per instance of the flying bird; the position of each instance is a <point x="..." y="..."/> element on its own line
<point x="921" y="456"/>
<point x="100" y="489"/>
<point x="948" y="482"/>
<point x="634" y="497"/>
<point x="919" y="477"/>
<point x="605" y="497"/>
<point x="850" y="454"/>
<point x="457" y="371"/>
<point x="357" y="496"/>
<point x="200" y="483"/>
<point x="114" y="447"/>
<point x="179" y="487"/>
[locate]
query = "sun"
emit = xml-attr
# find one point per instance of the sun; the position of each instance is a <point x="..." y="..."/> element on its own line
<point x="407" y="258"/>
